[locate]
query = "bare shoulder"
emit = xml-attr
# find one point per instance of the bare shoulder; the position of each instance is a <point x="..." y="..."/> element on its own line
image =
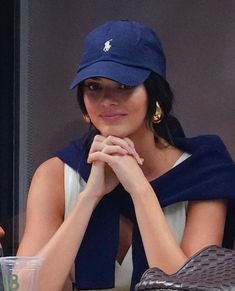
<point x="52" y="166"/>
<point x="48" y="183"/>
<point x="45" y="206"/>
<point x="210" y="213"/>
<point x="205" y="224"/>
<point x="208" y="203"/>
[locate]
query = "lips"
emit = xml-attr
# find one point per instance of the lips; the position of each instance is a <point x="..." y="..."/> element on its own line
<point x="112" y="116"/>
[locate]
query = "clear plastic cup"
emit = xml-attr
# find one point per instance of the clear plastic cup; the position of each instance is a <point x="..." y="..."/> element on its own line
<point x="20" y="273"/>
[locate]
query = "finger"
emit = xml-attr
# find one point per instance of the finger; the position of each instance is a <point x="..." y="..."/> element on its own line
<point x="96" y="146"/>
<point x="127" y="144"/>
<point x="114" y="149"/>
<point x="101" y="142"/>
<point x="110" y="150"/>
<point x="97" y="143"/>
<point x="130" y="142"/>
<point x="99" y="138"/>
<point x="113" y="140"/>
<point x="134" y="152"/>
<point x="99" y="156"/>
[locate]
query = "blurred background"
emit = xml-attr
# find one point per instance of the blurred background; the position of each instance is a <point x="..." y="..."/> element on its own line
<point x="41" y="42"/>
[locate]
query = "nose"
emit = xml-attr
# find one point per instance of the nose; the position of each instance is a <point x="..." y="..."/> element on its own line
<point x="110" y="97"/>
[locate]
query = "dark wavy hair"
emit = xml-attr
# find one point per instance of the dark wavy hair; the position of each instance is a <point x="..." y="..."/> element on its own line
<point x="158" y="89"/>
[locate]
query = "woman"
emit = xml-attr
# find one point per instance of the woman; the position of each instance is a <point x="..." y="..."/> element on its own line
<point x="2" y="233"/>
<point x="134" y="189"/>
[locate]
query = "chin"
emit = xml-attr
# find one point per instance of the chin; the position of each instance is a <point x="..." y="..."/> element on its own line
<point x="114" y="132"/>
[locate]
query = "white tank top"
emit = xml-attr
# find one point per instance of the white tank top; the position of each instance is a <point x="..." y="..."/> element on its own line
<point x="175" y="215"/>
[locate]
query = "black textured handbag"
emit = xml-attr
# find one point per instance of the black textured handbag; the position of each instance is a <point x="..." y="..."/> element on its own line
<point x="213" y="268"/>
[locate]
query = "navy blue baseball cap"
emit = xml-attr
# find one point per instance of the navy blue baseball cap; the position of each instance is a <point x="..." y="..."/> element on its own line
<point x="124" y="51"/>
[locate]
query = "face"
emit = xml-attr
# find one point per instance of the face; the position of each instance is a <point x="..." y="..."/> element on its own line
<point x="116" y="109"/>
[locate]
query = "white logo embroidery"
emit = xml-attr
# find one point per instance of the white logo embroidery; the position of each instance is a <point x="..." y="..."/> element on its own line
<point x="107" y="45"/>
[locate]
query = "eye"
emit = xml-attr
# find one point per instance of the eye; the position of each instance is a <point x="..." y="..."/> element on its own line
<point x="92" y="86"/>
<point x="125" y="87"/>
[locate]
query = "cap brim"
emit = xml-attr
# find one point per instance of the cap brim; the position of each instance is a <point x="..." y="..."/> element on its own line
<point x="128" y="75"/>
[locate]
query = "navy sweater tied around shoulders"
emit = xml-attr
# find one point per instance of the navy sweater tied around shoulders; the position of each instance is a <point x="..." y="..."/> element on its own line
<point x="209" y="173"/>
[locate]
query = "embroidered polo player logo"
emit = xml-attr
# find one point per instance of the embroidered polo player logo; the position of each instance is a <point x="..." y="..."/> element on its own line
<point x="107" y="45"/>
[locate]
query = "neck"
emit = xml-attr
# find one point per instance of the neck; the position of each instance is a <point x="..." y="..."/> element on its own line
<point x="159" y="157"/>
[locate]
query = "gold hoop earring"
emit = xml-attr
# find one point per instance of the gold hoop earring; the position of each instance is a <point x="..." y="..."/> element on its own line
<point x="86" y="118"/>
<point x="158" y="115"/>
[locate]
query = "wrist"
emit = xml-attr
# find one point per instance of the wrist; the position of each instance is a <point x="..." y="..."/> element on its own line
<point x="141" y="191"/>
<point x="88" y="200"/>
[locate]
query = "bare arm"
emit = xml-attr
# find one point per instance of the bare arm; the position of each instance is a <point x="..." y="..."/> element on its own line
<point x="204" y="226"/>
<point x="160" y="245"/>
<point x="46" y="234"/>
<point x="2" y="233"/>
<point x="45" y="206"/>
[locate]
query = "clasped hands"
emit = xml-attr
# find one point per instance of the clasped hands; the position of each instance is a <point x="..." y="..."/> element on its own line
<point x="113" y="160"/>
